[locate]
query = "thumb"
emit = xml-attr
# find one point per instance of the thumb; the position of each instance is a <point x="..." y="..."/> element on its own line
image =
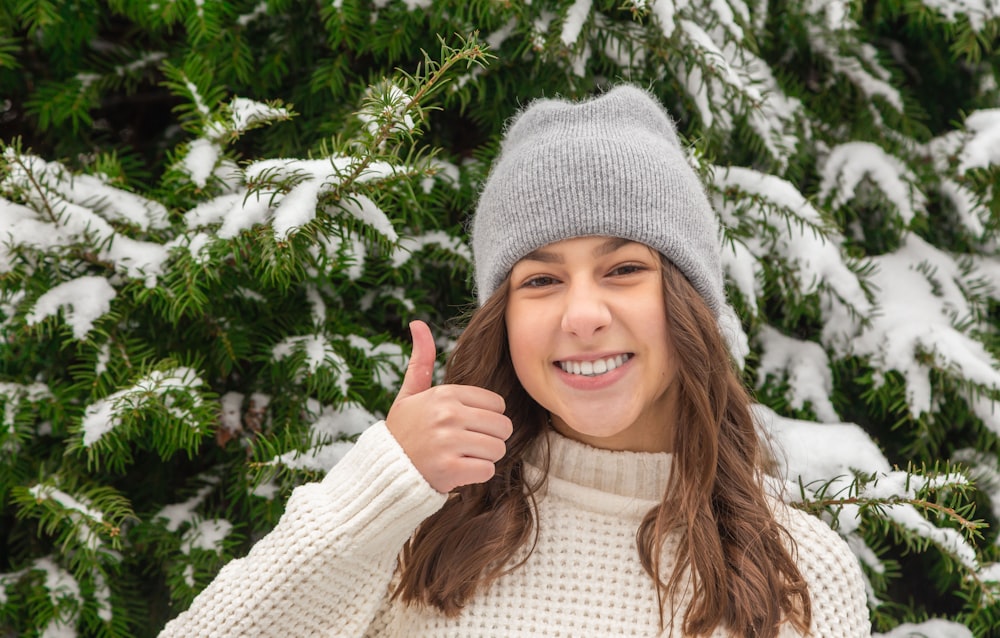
<point x="420" y="369"/>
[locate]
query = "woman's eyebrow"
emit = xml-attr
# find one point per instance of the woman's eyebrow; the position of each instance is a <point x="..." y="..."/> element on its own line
<point x="551" y="257"/>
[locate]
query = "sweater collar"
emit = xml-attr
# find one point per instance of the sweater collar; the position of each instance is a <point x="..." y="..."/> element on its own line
<point x="612" y="476"/>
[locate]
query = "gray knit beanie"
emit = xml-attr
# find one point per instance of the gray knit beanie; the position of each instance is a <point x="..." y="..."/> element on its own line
<point x="609" y="166"/>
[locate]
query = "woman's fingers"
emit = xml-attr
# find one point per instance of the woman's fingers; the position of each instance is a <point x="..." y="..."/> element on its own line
<point x="453" y="434"/>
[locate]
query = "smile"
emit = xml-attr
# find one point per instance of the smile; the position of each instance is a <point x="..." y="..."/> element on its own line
<point x="594" y="368"/>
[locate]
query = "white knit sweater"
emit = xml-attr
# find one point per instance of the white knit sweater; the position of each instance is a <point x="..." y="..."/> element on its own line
<point x="326" y="569"/>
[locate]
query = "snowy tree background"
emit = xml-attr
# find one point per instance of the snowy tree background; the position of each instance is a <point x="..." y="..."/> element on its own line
<point x="216" y="219"/>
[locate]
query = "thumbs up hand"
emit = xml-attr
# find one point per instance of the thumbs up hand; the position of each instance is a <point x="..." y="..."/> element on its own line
<point x="453" y="434"/>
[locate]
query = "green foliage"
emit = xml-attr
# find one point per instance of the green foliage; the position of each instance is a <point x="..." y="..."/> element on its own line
<point x="247" y="202"/>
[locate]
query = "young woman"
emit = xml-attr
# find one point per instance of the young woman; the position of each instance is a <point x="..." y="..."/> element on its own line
<point x="589" y="467"/>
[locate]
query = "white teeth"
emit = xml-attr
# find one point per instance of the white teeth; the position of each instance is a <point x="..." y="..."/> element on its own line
<point x="594" y="368"/>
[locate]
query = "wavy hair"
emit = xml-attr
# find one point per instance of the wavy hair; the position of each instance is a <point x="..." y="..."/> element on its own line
<point x="733" y="556"/>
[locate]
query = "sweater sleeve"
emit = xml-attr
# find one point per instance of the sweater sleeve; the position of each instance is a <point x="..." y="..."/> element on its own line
<point x="328" y="562"/>
<point x="836" y="585"/>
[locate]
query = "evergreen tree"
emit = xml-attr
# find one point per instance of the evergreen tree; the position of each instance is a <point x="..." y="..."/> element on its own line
<point x="216" y="219"/>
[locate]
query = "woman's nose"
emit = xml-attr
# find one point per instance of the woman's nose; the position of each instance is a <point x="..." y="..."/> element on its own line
<point x="586" y="312"/>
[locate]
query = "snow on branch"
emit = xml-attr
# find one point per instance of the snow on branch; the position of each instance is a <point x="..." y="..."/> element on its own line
<point x="156" y="388"/>
<point x="981" y="147"/>
<point x="82" y="301"/>
<point x="61" y="215"/>
<point x="408" y="246"/>
<point x="833" y="31"/>
<point x="241" y="115"/>
<point x="933" y="628"/>
<point x="319" y="353"/>
<point x="978" y="12"/>
<point x="294" y="187"/>
<point x="83" y="515"/>
<point x="90" y="191"/>
<point x="178" y="514"/>
<point x="850" y="165"/>
<point x="13" y="394"/>
<point x="796" y="231"/>
<point x="806" y="367"/>
<point x="387" y="359"/>
<point x="921" y="299"/>
<point x="330" y="425"/>
<point x="576" y="16"/>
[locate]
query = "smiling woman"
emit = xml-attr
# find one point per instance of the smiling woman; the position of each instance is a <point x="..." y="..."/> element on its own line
<point x="589" y="341"/>
<point x="590" y="465"/>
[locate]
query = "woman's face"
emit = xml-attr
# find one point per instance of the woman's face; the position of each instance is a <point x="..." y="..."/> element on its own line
<point x="589" y="341"/>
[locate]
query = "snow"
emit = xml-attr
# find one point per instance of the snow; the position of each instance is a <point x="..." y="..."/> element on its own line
<point x="870" y="85"/>
<point x="200" y="160"/>
<point x="967" y="208"/>
<point x="14" y="393"/>
<point x="984" y="469"/>
<point x="102" y="597"/>
<point x="206" y="535"/>
<point x="392" y="292"/>
<point x="407" y="246"/>
<point x="724" y="13"/>
<point x="308" y="180"/>
<point x="576" y="16"/>
<point x="806" y="366"/>
<point x="178" y="514"/>
<point x="347" y="256"/>
<point x="948" y="539"/>
<point x="983" y="149"/>
<point x="387" y="358"/>
<point x="317" y="459"/>
<point x="246" y="112"/>
<point x="343" y="420"/>
<point x="848" y="165"/>
<point x="990" y="573"/>
<point x="59" y="582"/>
<point x="935" y="628"/>
<point x="258" y="11"/>
<point x="231" y="417"/>
<point x="736" y="339"/>
<point x="390" y="106"/>
<point x="816" y="452"/>
<point x="146" y="59"/>
<point x="712" y="55"/>
<point x="60" y="627"/>
<point x="64" y="215"/>
<point x="496" y="38"/>
<point x="66" y="501"/>
<point x="802" y="237"/>
<point x="979" y="12"/>
<point x="199" y="103"/>
<point x="367" y="211"/>
<point x="916" y="314"/>
<point x="90" y="191"/>
<point x="664" y="11"/>
<point x="249" y="210"/>
<point x="104" y="415"/>
<point x="103" y="356"/>
<point x="82" y="301"/>
<point x="319" y="352"/>
<point x="330" y="423"/>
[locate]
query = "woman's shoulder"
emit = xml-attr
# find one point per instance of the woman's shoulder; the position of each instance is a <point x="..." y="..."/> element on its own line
<point x="815" y="543"/>
<point x="837" y="586"/>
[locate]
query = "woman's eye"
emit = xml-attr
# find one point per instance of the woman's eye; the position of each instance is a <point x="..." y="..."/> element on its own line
<point x="627" y="269"/>
<point x="539" y="282"/>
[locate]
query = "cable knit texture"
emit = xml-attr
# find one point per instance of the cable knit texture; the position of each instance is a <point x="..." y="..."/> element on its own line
<point x="326" y="569"/>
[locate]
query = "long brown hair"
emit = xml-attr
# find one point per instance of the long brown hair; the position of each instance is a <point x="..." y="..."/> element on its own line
<point x="732" y="553"/>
